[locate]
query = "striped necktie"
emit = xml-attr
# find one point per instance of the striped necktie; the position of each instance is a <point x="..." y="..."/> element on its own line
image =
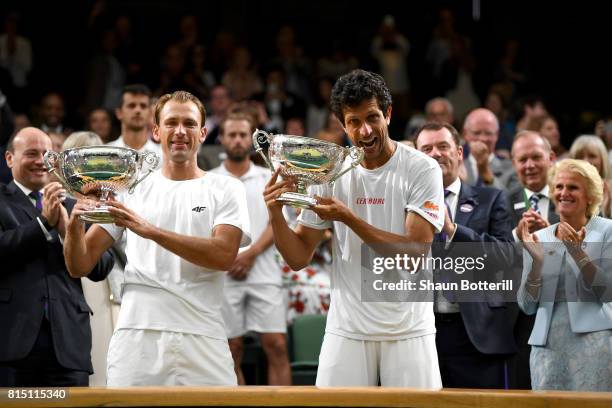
<point x="534" y="200"/>
<point x="37" y="196"/>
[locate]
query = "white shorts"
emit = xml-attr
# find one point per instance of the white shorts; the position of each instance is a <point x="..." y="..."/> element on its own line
<point x="256" y="307"/>
<point x="152" y="357"/>
<point x="399" y="363"/>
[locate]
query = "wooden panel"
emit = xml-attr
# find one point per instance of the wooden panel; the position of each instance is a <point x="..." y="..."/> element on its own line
<point x="314" y="397"/>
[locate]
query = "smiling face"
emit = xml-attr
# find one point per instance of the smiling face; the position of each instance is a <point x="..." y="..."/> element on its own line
<point x="440" y="146"/>
<point x="531" y="160"/>
<point x="52" y="110"/>
<point x="180" y="131"/>
<point x="26" y="159"/>
<point x="570" y="194"/>
<point x="368" y="127"/>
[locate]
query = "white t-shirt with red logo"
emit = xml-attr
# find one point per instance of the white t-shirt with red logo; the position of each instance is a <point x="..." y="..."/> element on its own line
<point x="409" y="182"/>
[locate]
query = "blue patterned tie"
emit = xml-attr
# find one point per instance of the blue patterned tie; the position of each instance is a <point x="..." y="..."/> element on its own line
<point x="37" y="196"/>
<point x="534" y="200"/>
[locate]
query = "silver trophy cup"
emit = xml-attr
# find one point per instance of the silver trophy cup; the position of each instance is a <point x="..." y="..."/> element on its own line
<point x="100" y="171"/>
<point x="310" y="161"/>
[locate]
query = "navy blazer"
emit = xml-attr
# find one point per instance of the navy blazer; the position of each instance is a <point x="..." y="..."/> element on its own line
<point x="517" y="196"/>
<point x="482" y="217"/>
<point x="33" y="271"/>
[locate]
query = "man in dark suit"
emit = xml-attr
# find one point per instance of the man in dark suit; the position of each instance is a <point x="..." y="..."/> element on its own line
<point x="46" y="337"/>
<point x="474" y="338"/>
<point x="530" y="204"/>
<point x="532" y="157"/>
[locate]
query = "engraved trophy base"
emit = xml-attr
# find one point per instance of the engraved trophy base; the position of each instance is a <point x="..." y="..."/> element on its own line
<point x="297" y="200"/>
<point x="100" y="215"/>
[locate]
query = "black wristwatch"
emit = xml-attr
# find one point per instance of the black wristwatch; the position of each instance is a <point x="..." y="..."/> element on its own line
<point x="45" y="222"/>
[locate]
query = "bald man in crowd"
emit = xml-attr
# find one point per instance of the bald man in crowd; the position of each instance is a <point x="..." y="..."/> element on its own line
<point x="483" y="167"/>
<point x="46" y="337"/>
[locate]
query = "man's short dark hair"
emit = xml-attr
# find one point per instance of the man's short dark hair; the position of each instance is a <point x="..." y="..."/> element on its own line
<point x="136" y="89"/>
<point x="357" y="86"/>
<point x="434" y="127"/>
<point x="237" y="115"/>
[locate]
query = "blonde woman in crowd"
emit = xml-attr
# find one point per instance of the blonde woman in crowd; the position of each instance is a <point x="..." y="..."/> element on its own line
<point x="566" y="271"/>
<point x="593" y="150"/>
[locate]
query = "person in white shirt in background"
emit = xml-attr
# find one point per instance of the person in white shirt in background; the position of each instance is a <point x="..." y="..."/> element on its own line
<point x="183" y="229"/>
<point x="134" y="114"/>
<point x="254" y="298"/>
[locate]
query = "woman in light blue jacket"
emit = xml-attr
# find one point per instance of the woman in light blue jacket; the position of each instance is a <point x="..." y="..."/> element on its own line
<point x="567" y="283"/>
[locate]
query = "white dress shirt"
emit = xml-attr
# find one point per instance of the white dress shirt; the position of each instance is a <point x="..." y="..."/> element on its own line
<point x="442" y="305"/>
<point x="27" y="192"/>
<point x="543" y="205"/>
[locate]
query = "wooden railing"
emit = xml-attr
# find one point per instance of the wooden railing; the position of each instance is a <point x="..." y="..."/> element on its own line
<point x="258" y="396"/>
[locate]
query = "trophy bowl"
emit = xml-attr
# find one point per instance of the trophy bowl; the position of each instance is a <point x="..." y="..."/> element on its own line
<point x="310" y="161"/>
<point x="99" y="171"/>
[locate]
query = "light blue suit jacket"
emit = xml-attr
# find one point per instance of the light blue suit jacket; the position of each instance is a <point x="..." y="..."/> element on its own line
<point x="590" y="308"/>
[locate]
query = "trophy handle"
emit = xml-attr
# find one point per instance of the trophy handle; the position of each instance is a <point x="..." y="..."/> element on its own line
<point x="259" y="136"/>
<point x="356" y="155"/>
<point x="51" y="160"/>
<point x="152" y="160"/>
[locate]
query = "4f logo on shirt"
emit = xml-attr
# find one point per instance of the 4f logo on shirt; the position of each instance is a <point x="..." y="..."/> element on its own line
<point x="198" y="209"/>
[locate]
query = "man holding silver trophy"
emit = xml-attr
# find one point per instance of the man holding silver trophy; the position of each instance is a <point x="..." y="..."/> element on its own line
<point x="395" y="196"/>
<point x="183" y="229"/>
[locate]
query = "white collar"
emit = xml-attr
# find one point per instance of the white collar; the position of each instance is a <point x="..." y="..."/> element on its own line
<point x="250" y="172"/>
<point x="543" y="192"/>
<point x="454" y="187"/>
<point x="23" y="188"/>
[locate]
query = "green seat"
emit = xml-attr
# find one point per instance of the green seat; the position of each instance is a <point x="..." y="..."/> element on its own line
<point x="306" y="339"/>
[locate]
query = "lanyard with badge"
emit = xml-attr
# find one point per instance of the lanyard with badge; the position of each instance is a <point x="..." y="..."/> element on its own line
<point x="526" y="200"/>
